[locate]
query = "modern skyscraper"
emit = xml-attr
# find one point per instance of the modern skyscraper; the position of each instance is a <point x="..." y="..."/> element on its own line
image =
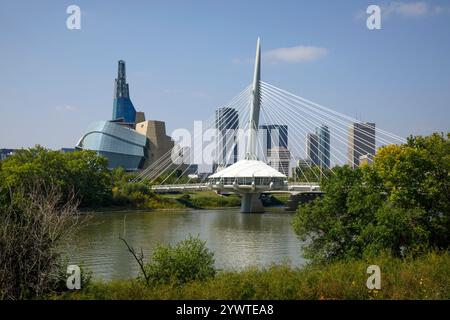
<point x="123" y="109"/>
<point x="323" y="138"/>
<point x="312" y="149"/>
<point x="361" y="142"/>
<point x="276" y="149"/>
<point x="276" y="135"/>
<point x="227" y="123"/>
<point x="279" y="159"/>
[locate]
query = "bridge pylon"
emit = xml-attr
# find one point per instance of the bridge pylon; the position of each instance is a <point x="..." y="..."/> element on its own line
<point x="250" y="177"/>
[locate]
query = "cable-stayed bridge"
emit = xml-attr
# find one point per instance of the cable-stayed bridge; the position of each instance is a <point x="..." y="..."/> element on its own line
<point x="324" y="138"/>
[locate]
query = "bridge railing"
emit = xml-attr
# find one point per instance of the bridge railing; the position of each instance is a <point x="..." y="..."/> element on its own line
<point x="300" y="186"/>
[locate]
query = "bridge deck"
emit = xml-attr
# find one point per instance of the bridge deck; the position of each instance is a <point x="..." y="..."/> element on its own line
<point x="195" y="187"/>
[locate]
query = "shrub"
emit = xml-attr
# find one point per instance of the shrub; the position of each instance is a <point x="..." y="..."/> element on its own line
<point x="32" y="228"/>
<point x="189" y="260"/>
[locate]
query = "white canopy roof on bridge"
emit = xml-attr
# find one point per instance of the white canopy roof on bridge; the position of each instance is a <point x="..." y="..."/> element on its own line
<point x="248" y="169"/>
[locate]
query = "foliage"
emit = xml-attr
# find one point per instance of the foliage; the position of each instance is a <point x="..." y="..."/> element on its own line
<point x="82" y="173"/>
<point x="85" y="174"/>
<point x="189" y="260"/>
<point x="209" y="200"/>
<point x="313" y="173"/>
<point x="401" y="203"/>
<point x="32" y="227"/>
<point x="425" y="277"/>
<point x="173" y="177"/>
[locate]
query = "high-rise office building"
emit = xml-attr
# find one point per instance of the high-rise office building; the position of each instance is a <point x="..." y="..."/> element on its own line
<point x="312" y="149"/>
<point x="123" y="109"/>
<point x="275" y="146"/>
<point x="227" y="123"/>
<point x="323" y="138"/>
<point x="361" y="142"/>
<point x="279" y="158"/>
<point x="276" y="135"/>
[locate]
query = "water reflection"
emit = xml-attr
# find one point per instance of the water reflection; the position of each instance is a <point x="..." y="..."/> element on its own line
<point x="238" y="240"/>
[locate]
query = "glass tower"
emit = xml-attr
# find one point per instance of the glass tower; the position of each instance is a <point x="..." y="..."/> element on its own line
<point x="275" y="132"/>
<point x="227" y="122"/>
<point x="323" y="137"/>
<point x="123" y="109"/>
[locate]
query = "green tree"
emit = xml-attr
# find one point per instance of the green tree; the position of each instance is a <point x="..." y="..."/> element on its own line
<point x="401" y="204"/>
<point x="82" y="173"/>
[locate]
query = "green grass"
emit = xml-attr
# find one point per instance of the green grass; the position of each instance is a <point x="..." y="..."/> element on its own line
<point x="282" y="198"/>
<point x="154" y="201"/>
<point x="204" y="200"/>
<point x="426" y="277"/>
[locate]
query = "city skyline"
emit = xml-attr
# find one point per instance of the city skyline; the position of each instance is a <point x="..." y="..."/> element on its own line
<point x="61" y="79"/>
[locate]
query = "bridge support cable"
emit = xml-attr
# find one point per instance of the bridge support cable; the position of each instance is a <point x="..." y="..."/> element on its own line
<point x="242" y="107"/>
<point x="291" y="119"/>
<point x="328" y="121"/>
<point x="157" y="168"/>
<point x="297" y="129"/>
<point x="338" y="115"/>
<point x="331" y="120"/>
<point x="245" y="116"/>
<point x="167" y="156"/>
<point x="308" y="118"/>
<point x="263" y="109"/>
<point x="241" y="118"/>
<point x="294" y="144"/>
<point x="164" y="162"/>
<point x="273" y="143"/>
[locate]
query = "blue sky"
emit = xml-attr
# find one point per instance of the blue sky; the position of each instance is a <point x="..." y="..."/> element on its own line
<point x="185" y="58"/>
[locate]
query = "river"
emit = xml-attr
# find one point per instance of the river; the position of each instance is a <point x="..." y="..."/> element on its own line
<point x="237" y="240"/>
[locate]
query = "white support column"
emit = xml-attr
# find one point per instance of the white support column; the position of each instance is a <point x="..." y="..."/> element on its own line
<point x="251" y="203"/>
<point x="255" y="107"/>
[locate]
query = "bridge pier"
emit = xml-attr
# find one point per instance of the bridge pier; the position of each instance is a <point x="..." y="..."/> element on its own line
<point x="250" y="203"/>
<point x="301" y="198"/>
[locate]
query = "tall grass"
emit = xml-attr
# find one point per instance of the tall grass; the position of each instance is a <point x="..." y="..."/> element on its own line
<point x="426" y="277"/>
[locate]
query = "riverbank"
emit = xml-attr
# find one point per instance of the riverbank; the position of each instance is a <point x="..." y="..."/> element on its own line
<point x="148" y="201"/>
<point x="195" y="200"/>
<point x="426" y="277"/>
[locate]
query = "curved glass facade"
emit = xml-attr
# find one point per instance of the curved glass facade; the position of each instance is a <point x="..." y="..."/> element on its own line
<point x="122" y="146"/>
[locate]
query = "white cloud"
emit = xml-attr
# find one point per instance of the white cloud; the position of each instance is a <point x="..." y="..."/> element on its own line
<point x="406" y="9"/>
<point x="66" y="108"/>
<point x="297" y="54"/>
